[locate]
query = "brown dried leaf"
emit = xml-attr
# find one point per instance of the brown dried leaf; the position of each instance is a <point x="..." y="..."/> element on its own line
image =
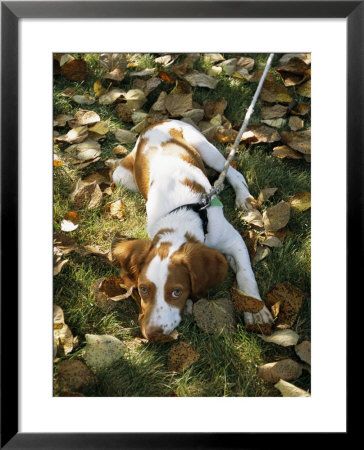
<point x="86" y="195"/>
<point x="115" y="75"/>
<point x="64" y="340"/>
<point x="251" y="241"/>
<point x="111" y="61"/>
<point x="295" y="123"/>
<point x="284" y="151"/>
<point x="294" y="72"/>
<point x="303" y="350"/>
<point x="135" y="98"/>
<point x="64" y="243"/>
<point x="85" y="117"/>
<point x="265" y="194"/>
<point x="125" y="136"/>
<point x="181" y="356"/>
<point x="61" y="120"/>
<point x="277" y="216"/>
<point x="301" y="109"/>
<point x="298" y="140"/>
<point x="254" y="218"/>
<point x="116" y="210"/>
<point x="261" y="253"/>
<point x="301" y="201"/>
<point x="259" y="328"/>
<point x="73" y="375"/>
<point x="212" y="107"/>
<point x="100" y="128"/>
<point x="274" y="112"/>
<point x="102" y="351"/>
<point x="285" y="301"/>
<point x="176" y="104"/>
<point x="260" y="133"/>
<point x="290" y="390"/>
<point x="74" y="70"/>
<point x="114" y="95"/>
<point x="305" y="89"/>
<point x="245" y="303"/>
<point x="274" y="92"/>
<point x="286" y="369"/>
<point x="214" y="316"/>
<point x="201" y="80"/>
<point x="74" y="136"/>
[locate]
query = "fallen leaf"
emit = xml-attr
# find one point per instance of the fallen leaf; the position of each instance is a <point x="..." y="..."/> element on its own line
<point x="150" y="85"/>
<point x="83" y="99"/>
<point x="305" y="57"/>
<point x="274" y="92"/>
<point x="125" y="111"/>
<point x="276" y="123"/>
<point x="305" y="89"/>
<point x="245" y="303"/>
<point x="285" y="301"/>
<point x="58" y="317"/>
<point x="159" y="105"/>
<point x="74" y="136"/>
<point x="181" y="356"/>
<point x="290" y="390"/>
<point x="224" y="135"/>
<point x="212" y="107"/>
<point x="85" y="117"/>
<point x="86" y="195"/>
<point x="295" y="123"/>
<point x="165" y="60"/>
<point x="214" y="71"/>
<point x="260" y="133"/>
<point x="265" y="194"/>
<point x="111" y="61"/>
<point x="74" y="70"/>
<point x="135" y="98"/>
<point x="69" y="92"/>
<point x="286" y="369"/>
<point x="61" y="120"/>
<point x="303" y="350"/>
<point x="213" y="58"/>
<point x="245" y="62"/>
<point x="194" y="114"/>
<point x="86" y="151"/>
<point x="298" y="140"/>
<point x="272" y="241"/>
<point x="301" y="201"/>
<point x="100" y="128"/>
<point x="229" y="65"/>
<point x="215" y="316"/>
<point x="99" y="89"/>
<point x="125" y="136"/>
<point x="277" y="216"/>
<point x="284" y="338"/>
<point x="116" y="209"/>
<point x="112" y="96"/>
<point x="284" y="151"/>
<point x="280" y="234"/>
<point x="64" y="243"/>
<point x="201" y="80"/>
<point x="261" y="253"/>
<point x="63" y="338"/>
<point x="251" y="242"/>
<point x="176" y="104"/>
<point x="166" y="76"/>
<point x="294" y="72"/>
<point x="102" y="351"/>
<point x="117" y="74"/>
<point x="301" y="109"/>
<point x="259" y="328"/>
<point x="254" y="218"/>
<point x="120" y="150"/>
<point x="143" y="73"/>
<point x="273" y="112"/>
<point x="73" y="375"/>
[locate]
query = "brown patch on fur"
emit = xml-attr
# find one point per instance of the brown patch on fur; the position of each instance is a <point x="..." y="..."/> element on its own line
<point x="128" y="163"/>
<point x="163" y="250"/>
<point x="194" y="186"/>
<point x="160" y="233"/>
<point x="141" y="169"/>
<point x="178" y="278"/>
<point x="161" y="122"/>
<point x="176" y="134"/>
<point x="191" y="238"/>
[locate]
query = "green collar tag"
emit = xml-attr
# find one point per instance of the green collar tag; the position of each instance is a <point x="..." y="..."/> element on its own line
<point x="216" y="202"/>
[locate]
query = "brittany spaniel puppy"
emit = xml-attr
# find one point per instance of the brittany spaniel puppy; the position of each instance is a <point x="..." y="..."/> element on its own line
<point x="183" y="258"/>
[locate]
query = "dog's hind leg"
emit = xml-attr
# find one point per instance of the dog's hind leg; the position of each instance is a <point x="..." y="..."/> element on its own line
<point x="214" y="159"/>
<point x="123" y="171"/>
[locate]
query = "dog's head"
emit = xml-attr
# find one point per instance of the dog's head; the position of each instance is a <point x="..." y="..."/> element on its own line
<point x="166" y="277"/>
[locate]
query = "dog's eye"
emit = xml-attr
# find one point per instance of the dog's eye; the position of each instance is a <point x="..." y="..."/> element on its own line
<point x="176" y="293"/>
<point x="143" y="290"/>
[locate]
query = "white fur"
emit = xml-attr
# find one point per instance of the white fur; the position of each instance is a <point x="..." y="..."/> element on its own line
<point x="166" y="193"/>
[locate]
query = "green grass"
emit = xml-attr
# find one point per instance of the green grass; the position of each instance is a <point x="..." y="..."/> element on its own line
<point x="227" y="364"/>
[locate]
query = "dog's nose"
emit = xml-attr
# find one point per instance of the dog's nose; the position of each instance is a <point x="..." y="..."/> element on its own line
<point x="151" y="332"/>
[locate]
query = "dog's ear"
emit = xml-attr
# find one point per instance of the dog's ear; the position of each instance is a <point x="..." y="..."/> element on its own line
<point x="206" y="267"/>
<point x="130" y="255"/>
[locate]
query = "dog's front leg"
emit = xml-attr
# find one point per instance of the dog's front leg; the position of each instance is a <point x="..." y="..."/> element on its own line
<point x="233" y="246"/>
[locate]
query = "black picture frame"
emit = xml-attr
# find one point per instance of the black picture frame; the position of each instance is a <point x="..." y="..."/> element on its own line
<point x="11" y="12"/>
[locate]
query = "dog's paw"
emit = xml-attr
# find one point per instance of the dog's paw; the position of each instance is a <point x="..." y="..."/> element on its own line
<point x="263" y="316"/>
<point x="246" y="203"/>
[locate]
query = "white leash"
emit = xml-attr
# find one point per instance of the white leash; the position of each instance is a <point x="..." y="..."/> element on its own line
<point x="219" y="183"/>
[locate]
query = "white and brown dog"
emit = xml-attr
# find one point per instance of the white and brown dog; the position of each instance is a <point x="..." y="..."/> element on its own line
<point x="184" y="257"/>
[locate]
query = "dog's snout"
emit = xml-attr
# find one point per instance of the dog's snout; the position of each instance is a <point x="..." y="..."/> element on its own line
<point x="152" y="332"/>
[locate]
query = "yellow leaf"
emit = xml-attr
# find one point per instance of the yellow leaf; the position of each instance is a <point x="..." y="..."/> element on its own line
<point x="100" y="128"/>
<point x="98" y="88"/>
<point x="284" y="98"/>
<point x="301" y="201"/>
